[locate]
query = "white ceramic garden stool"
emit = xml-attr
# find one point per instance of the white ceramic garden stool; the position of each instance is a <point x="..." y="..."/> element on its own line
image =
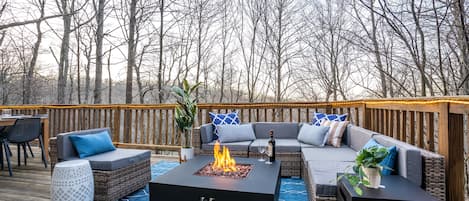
<point x="72" y="180"/>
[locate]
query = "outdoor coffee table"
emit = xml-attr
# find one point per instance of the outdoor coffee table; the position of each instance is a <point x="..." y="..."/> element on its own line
<point x="181" y="183"/>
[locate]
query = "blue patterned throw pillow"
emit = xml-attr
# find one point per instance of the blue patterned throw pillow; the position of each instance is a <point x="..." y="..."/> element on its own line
<point x="318" y="117"/>
<point x="221" y="119"/>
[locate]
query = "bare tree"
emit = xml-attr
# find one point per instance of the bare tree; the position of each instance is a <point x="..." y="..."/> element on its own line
<point x="99" y="52"/>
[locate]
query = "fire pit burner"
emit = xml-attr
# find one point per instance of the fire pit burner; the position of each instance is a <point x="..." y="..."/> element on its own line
<point x="241" y="173"/>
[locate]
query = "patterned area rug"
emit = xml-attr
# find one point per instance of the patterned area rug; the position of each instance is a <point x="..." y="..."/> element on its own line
<point x="290" y="189"/>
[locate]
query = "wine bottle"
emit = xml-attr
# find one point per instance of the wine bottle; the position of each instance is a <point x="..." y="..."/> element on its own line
<point x="271" y="147"/>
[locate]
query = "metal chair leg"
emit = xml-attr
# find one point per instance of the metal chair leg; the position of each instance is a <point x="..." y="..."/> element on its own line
<point x="8" y="158"/>
<point x="30" y="150"/>
<point x="19" y="154"/>
<point x="25" y="153"/>
<point x="43" y="153"/>
<point x="1" y="155"/>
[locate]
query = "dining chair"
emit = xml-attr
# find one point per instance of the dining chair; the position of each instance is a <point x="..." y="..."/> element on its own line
<point x="22" y="132"/>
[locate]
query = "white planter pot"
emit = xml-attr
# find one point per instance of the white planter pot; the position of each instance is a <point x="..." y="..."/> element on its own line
<point x="187" y="154"/>
<point x="373" y="176"/>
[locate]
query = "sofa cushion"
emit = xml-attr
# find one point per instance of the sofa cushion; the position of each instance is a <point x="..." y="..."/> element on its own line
<point x="311" y="134"/>
<point x="89" y="145"/>
<point x="65" y="149"/>
<point x="357" y="137"/>
<point x="329" y="153"/>
<point x="304" y="145"/>
<point x="233" y="146"/>
<point x="235" y="133"/>
<point x="221" y="119"/>
<point x="117" y="159"/>
<point x="408" y="162"/>
<point x="281" y="145"/>
<point x="318" y="117"/>
<point x="336" y="131"/>
<point x="324" y="175"/>
<point x="282" y="130"/>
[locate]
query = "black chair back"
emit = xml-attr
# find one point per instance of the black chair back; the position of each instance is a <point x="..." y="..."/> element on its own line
<point x="24" y="130"/>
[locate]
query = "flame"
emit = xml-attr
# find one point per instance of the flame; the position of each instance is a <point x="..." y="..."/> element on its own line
<point x="223" y="160"/>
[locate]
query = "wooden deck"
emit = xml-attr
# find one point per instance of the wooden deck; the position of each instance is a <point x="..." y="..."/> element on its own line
<point x="32" y="182"/>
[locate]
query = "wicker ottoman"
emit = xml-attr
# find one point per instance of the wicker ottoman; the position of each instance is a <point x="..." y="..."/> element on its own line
<point x="72" y="180"/>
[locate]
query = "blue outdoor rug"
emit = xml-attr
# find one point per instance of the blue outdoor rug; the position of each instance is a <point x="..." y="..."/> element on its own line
<point x="290" y="189"/>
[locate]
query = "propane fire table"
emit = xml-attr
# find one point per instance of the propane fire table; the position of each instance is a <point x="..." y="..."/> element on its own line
<point x="203" y="179"/>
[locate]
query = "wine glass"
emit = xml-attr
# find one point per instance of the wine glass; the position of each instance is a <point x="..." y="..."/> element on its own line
<point x="261" y="150"/>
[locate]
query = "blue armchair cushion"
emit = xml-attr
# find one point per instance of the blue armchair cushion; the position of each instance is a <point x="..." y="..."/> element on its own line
<point x="389" y="161"/>
<point x="89" y="145"/>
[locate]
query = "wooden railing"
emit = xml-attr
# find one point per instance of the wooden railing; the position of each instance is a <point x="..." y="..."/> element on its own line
<point x="435" y="124"/>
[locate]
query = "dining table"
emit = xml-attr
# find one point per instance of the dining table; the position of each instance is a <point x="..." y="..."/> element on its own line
<point x="10" y="121"/>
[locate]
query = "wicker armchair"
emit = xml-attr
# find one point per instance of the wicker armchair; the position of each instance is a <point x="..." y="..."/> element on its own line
<point x="111" y="184"/>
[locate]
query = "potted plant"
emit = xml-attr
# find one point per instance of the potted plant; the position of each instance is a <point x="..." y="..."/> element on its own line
<point x="185" y="114"/>
<point x="367" y="168"/>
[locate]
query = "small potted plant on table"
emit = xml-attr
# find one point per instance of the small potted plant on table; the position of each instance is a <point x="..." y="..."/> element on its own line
<point x="185" y="114"/>
<point x="367" y="168"/>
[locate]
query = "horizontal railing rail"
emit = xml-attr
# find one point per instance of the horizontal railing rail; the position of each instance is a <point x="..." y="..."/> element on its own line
<point x="435" y="124"/>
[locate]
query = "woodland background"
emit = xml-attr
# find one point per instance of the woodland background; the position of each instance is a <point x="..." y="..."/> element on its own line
<point x="134" y="51"/>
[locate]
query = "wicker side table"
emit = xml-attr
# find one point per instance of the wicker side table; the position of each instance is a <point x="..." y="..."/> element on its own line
<point x="72" y="180"/>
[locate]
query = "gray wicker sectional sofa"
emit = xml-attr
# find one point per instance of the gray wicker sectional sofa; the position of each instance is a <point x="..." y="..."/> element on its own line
<point x="318" y="166"/>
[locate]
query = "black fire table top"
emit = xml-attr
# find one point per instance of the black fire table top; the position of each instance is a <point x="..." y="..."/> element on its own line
<point x="263" y="178"/>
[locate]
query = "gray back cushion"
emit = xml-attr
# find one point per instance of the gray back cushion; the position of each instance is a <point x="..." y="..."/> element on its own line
<point x="281" y="130"/>
<point x="357" y="137"/>
<point x="313" y="135"/>
<point x="235" y="133"/>
<point x="206" y="133"/>
<point x="65" y="147"/>
<point x="408" y="161"/>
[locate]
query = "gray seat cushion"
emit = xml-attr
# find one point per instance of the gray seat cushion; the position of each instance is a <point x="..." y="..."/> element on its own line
<point x="357" y="137"/>
<point x="233" y="146"/>
<point x="408" y="161"/>
<point x="117" y="159"/>
<point x="304" y="145"/>
<point x="329" y="153"/>
<point x="282" y="130"/>
<point x="65" y="148"/>
<point x="281" y="145"/>
<point x="324" y="175"/>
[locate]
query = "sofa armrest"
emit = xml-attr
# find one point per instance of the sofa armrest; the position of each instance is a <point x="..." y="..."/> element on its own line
<point x="196" y="141"/>
<point x="433" y="166"/>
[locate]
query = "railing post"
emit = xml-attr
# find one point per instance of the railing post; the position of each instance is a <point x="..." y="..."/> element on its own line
<point x="116" y="124"/>
<point x="451" y="146"/>
<point x="366" y="114"/>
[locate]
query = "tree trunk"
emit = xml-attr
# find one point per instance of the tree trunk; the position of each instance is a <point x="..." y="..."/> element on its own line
<point x="160" y="65"/>
<point x="32" y="64"/>
<point x="110" y="77"/>
<point x="99" y="53"/>
<point x="131" y="51"/>
<point x="64" y="49"/>
<point x="463" y="42"/>
<point x="376" y="51"/>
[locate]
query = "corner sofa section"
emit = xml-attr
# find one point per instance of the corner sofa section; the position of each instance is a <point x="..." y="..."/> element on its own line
<point x="318" y="166"/>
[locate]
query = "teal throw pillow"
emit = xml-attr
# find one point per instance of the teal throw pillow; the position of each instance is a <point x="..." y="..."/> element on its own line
<point x="389" y="161"/>
<point x="89" y="145"/>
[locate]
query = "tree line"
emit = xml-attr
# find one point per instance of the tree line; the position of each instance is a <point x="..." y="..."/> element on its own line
<point x="241" y="51"/>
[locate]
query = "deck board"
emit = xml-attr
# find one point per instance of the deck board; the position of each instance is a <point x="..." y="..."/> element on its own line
<point x="32" y="182"/>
